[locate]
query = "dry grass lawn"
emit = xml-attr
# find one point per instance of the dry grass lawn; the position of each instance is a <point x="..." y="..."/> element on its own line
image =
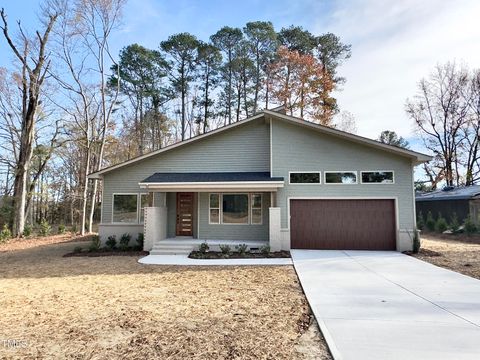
<point x="455" y="252"/>
<point x="113" y="307"/>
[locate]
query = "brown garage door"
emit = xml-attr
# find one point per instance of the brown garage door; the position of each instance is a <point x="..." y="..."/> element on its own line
<point x="342" y="224"/>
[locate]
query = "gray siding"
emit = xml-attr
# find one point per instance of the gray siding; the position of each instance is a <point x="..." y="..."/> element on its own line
<point x="171" y="214"/>
<point x="296" y="148"/>
<point x="243" y="148"/>
<point x="232" y="232"/>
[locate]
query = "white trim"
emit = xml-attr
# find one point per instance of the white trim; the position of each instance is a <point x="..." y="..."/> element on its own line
<point x="394" y="198"/>
<point x="198" y="214"/>
<point x="339" y="172"/>
<point x="195" y="186"/>
<point x="377" y="183"/>
<point x="220" y="204"/>
<point x="215" y="208"/>
<point x="251" y="209"/>
<point x="306" y="172"/>
<point x="271" y="148"/>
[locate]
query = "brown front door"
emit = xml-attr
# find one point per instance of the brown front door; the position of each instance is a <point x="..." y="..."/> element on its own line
<point x="184" y="214"/>
<point x="343" y="224"/>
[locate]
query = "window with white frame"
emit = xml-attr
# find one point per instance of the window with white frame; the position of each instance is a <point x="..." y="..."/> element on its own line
<point x="256" y="206"/>
<point x="340" y="177"/>
<point x="377" y="177"/>
<point x="306" y="177"/>
<point x="214" y="209"/>
<point x="125" y="208"/>
<point x="225" y="208"/>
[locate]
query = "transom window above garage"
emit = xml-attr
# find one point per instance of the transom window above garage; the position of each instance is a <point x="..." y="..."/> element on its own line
<point x="304" y="177"/>
<point x="377" y="177"/>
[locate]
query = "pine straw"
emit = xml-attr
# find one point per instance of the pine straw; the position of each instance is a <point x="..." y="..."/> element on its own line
<point x="113" y="307"/>
<point x="31" y="242"/>
<point x="455" y="252"/>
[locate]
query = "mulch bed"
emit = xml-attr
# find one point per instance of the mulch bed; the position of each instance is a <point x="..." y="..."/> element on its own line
<point x="107" y="253"/>
<point x="236" y="255"/>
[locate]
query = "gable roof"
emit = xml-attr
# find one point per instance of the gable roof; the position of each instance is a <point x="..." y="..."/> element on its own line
<point x="276" y="114"/>
<point x="450" y="193"/>
<point x="210" y="177"/>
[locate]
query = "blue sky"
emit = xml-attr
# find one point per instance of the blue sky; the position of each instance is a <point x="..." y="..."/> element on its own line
<point x="394" y="43"/>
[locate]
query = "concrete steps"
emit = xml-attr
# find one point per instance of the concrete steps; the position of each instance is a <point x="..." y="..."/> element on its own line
<point x="171" y="249"/>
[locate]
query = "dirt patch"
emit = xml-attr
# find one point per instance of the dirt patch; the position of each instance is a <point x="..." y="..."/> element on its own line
<point x="107" y="252"/>
<point x="236" y="255"/>
<point x="460" y="253"/>
<point x="114" y="307"/>
<point x="31" y="242"/>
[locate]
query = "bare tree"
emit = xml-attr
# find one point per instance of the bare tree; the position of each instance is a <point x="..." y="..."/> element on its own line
<point x="440" y="111"/>
<point x="34" y="63"/>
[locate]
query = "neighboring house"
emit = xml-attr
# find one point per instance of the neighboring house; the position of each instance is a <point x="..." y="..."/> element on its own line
<point x="269" y="179"/>
<point x="463" y="201"/>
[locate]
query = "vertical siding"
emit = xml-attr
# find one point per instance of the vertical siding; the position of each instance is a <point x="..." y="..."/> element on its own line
<point x="295" y="148"/>
<point x="232" y="232"/>
<point x="243" y="148"/>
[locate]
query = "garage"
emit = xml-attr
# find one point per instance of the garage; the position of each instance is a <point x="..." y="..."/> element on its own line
<point x="347" y="224"/>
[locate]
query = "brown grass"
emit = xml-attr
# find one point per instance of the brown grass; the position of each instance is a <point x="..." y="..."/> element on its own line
<point x="113" y="307"/>
<point x="455" y="252"/>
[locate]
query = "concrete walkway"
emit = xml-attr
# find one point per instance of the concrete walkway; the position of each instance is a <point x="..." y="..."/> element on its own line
<point x="386" y="305"/>
<point x="186" y="261"/>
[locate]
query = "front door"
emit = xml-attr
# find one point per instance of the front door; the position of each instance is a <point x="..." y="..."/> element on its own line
<point x="184" y="214"/>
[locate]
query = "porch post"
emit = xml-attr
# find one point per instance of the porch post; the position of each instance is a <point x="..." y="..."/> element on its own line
<point x="275" y="236"/>
<point x="155" y="226"/>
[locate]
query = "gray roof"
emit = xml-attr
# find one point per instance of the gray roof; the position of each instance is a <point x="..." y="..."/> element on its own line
<point x="210" y="177"/>
<point x="459" y="193"/>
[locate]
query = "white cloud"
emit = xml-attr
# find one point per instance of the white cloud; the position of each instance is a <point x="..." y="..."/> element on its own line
<point x="394" y="45"/>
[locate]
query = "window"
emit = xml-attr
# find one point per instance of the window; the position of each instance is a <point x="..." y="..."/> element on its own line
<point x="377" y="177"/>
<point x="345" y="177"/>
<point x="256" y="205"/>
<point x="214" y="215"/>
<point x="235" y="209"/>
<point x="304" y="178"/>
<point x="125" y="208"/>
<point x="143" y="205"/>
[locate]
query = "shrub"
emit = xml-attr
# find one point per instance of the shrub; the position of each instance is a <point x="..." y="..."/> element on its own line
<point x="45" y="228"/>
<point x="454" y="224"/>
<point x="124" y="241"/>
<point x="416" y="242"/>
<point x="241" y="249"/>
<point x="420" y="221"/>
<point x="469" y="226"/>
<point x="111" y="242"/>
<point x="95" y="244"/>
<point x="265" y="249"/>
<point x="430" y="222"/>
<point x="226" y="250"/>
<point x="61" y="229"/>
<point x="441" y="225"/>
<point x="78" y="249"/>
<point x="5" y="234"/>
<point x="203" y="248"/>
<point x="27" y="230"/>
<point x="74" y="228"/>
<point x="140" y="240"/>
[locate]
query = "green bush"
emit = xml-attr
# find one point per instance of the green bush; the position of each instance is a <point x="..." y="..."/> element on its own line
<point x="78" y="249"/>
<point x="420" y="221"/>
<point x="454" y="224"/>
<point x="27" y="230"/>
<point x="5" y="234"/>
<point x="203" y="248"/>
<point x="430" y="222"/>
<point x="95" y="244"/>
<point x="470" y="227"/>
<point x="441" y="225"/>
<point x="265" y="249"/>
<point x="140" y="240"/>
<point x="61" y="229"/>
<point x="241" y="249"/>
<point x="124" y="241"/>
<point x="226" y="250"/>
<point x="416" y="242"/>
<point x="111" y="242"/>
<point x="45" y="228"/>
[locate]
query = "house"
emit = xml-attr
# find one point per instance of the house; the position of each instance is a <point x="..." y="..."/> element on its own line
<point x="462" y="201"/>
<point x="269" y="179"/>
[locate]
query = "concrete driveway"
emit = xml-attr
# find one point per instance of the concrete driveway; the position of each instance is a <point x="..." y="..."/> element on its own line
<point x="386" y="305"/>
